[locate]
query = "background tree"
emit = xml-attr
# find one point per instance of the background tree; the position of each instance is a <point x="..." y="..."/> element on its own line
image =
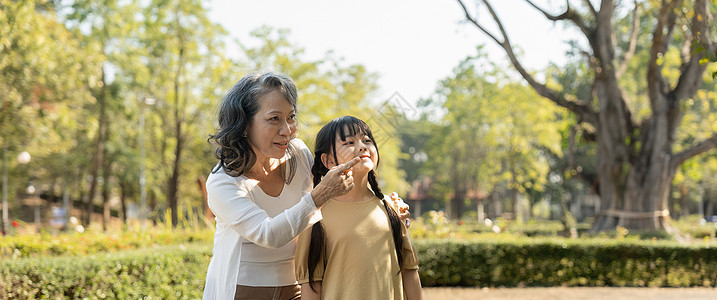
<point x="45" y="79"/>
<point x="103" y="24"/>
<point x="490" y="138"/>
<point x="181" y="43"/>
<point x="636" y="157"/>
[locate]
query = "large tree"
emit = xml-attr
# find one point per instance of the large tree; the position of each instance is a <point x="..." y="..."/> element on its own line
<point x="636" y="158"/>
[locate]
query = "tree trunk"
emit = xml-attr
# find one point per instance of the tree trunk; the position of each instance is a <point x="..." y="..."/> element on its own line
<point x="173" y="184"/>
<point x="480" y="210"/>
<point x="106" y="173"/>
<point x="633" y="190"/>
<point x="99" y="151"/>
<point x="458" y="202"/>
<point x="517" y="209"/>
<point x="106" y="216"/>
<point x="497" y="204"/>
<point x="174" y="180"/>
<point x="123" y="202"/>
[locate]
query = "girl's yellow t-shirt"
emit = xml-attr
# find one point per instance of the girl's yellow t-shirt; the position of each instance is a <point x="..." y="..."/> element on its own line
<point x="359" y="260"/>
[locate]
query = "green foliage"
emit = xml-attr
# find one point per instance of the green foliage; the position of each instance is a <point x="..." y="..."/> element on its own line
<point x="696" y="227"/>
<point x="175" y="272"/>
<point x="540" y="262"/>
<point x="490" y="136"/>
<point x="22" y="246"/>
<point x="45" y="72"/>
<point x="435" y="225"/>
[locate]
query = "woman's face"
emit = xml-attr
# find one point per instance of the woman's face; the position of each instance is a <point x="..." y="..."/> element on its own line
<point x="273" y="126"/>
<point x="359" y="145"/>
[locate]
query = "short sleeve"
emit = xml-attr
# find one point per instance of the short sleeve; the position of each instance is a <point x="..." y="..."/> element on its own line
<point x="410" y="258"/>
<point x="301" y="259"/>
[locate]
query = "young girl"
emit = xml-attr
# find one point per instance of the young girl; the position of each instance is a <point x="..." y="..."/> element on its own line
<point x="360" y="250"/>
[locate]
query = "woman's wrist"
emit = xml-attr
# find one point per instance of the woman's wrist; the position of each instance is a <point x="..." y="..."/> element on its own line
<point x="319" y="196"/>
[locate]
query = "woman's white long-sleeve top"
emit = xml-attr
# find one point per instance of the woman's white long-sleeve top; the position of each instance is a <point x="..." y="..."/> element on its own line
<point x="266" y="226"/>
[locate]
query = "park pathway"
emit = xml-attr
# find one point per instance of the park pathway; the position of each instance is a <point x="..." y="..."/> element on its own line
<point x="570" y="293"/>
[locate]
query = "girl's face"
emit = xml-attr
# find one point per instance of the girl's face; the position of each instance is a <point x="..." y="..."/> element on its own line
<point x="273" y="126"/>
<point x="359" y="145"/>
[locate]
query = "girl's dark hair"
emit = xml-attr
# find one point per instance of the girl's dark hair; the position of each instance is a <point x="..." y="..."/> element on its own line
<point x="237" y="110"/>
<point x="345" y="126"/>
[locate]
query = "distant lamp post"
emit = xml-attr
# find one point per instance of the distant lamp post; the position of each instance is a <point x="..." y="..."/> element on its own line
<point x="146" y="101"/>
<point x="22" y="158"/>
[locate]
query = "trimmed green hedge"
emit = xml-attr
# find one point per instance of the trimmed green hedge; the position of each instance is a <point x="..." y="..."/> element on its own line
<point x="169" y="272"/>
<point x="178" y="272"/>
<point x="565" y="263"/>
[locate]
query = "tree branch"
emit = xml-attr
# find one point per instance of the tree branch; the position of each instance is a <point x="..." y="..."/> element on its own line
<point x="569" y="14"/>
<point x="699" y="148"/>
<point x="690" y="78"/>
<point x="591" y="7"/>
<point x="655" y="82"/>
<point x="473" y="20"/>
<point x="633" y="43"/>
<point x="583" y="111"/>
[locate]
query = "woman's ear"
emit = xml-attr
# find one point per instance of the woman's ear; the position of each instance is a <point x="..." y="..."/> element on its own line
<point x="327" y="160"/>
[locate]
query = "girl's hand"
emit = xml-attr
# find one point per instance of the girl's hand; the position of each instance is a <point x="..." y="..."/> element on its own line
<point x="338" y="181"/>
<point x="401" y="208"/>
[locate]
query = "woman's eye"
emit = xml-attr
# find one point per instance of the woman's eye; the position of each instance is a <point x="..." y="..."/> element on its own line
<point x="367" y="141"/>
<point x="274" y="119"/>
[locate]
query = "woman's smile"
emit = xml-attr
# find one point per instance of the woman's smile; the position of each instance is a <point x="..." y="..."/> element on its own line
<point x="282" y="145"/>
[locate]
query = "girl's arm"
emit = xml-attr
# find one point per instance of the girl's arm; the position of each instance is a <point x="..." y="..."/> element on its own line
<point x="308" y="294"/>
<point x="411" y="284"/>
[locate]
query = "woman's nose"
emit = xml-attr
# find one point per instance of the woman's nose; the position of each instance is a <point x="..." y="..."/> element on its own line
<point x="285" y="129"/>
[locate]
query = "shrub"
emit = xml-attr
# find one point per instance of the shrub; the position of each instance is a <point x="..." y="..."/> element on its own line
<point x="533" y="262"/>
<point x="174" y="272"/>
